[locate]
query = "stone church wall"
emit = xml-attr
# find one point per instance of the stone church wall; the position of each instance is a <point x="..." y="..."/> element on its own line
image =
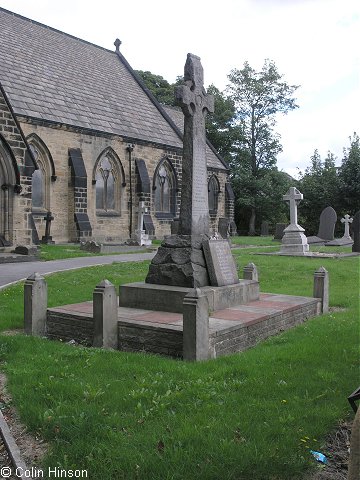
<point x="105" y="228"/>
<point x="16" y="207"/>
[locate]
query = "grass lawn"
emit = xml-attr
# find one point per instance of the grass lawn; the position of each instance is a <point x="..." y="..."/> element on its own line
<point x="58" y="252"/>
<point x="249" y="416"/>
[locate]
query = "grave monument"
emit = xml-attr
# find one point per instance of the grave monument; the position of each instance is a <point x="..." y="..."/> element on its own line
<point x="345" y="239"/>
<point x="327" y="223"/>
<point x="356" y="232"/>
<point x="294" y="240"/>
<point x="180" y="259"/>
<point x="191" y="268"/>
<point x="47" y="238"/>
<point x="141" y="236"/>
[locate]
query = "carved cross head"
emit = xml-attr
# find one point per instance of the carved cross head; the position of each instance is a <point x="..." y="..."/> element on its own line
<point x="192" y="96"/>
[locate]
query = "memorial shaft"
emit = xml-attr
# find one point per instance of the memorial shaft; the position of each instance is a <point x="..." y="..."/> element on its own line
<point x="195" y="103"/>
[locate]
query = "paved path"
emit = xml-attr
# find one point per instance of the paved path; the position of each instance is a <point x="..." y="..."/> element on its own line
<point x="14" y="272"/>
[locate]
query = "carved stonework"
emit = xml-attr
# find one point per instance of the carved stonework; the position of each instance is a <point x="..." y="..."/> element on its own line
<point x="180" y="259"/>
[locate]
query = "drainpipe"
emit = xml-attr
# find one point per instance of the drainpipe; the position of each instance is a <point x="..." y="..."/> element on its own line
<point x="130" y="149"/>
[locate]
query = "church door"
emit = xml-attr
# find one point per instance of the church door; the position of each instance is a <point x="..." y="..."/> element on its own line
<point x="7" y="181"/>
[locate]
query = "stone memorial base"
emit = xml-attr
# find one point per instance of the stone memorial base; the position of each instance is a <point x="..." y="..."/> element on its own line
<point x="169" y="298"/>
<point x="340" y="242"/>
<point x="231" y="330"/>
<point x="142" y="238"/>
<point x="314" y="240"/>
<point x="179" y="261"/>
<point x="47" y="240"/>
<point x="294" y="241"/>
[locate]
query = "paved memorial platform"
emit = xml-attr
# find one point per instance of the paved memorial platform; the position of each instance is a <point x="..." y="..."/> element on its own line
<point x="231" y="330"/>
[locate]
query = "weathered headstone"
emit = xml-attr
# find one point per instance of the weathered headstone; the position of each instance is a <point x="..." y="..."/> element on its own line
<point x="345" y="239"/>
<point x="356" y="232"/>
<point x="294" y="240"/>
<point x="250" y="272"/>
<point x="90" y="246"/>
<point x="220" y="263"/>
<point x="30" y="250"/>
<point x="142" y="237"/>
<point x="326" y="230"/>
<point x="180" y="260"/>
<point x="279" y="230"/>
<point x="224" y="227"/>
<point x="264" y="232"/>
<point x="47" y="238"/>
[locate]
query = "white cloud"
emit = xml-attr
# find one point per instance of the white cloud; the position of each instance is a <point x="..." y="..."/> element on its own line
<point x="314" y="43"/>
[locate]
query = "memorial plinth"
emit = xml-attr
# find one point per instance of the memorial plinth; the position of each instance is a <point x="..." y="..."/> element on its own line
<point x="191" y="273"/>
<point x="294" y="239"/>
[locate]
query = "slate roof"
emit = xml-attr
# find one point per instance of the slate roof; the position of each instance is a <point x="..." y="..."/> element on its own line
<point x="52" y="76"/>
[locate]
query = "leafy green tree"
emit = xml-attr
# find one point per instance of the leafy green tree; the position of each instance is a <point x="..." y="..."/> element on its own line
<point x="258" y="98"/>
<point x="349" y="177"/>
<point x="320" y="186"/>
<point x="162" y="90"/>
<point x="220" y="127"/>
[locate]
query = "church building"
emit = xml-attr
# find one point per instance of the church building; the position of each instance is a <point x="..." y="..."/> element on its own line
<point x="83" y="138"/>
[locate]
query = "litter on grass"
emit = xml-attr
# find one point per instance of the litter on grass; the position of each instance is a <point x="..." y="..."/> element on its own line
<point x="319" y="457"/>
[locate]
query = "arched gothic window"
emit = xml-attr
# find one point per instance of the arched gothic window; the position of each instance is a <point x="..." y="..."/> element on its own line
<point x="40" y="180"/>
<point x="213" y="189"/>
<point x="108" y="183"/>
<point x="165" y="189"/>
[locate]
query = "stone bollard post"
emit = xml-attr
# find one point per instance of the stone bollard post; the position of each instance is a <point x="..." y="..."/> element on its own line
<point x="105" y="314"/>
<point x="35" y="305"/>
<point x="195" y="326"/>
<point x="321" y="288"/>
<point x="250" y="272"/>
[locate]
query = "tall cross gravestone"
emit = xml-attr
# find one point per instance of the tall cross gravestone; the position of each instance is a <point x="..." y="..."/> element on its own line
<point x="180" y="259"/>
<point x="195" y="103"/>
<point x="294" y="241"/>
<point x="346" y="221"/>
<point x="47" y="238"/>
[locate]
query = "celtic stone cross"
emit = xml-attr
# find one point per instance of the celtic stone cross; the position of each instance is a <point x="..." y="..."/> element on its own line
<point x="195" y="104"/>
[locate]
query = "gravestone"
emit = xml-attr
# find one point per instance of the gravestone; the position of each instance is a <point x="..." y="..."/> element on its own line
<point x="345" y="239"/>
<point x="264" y="232"/>
<point x="142" y="237"/>
<point x="279" y="230"/>
<point x="224" y="227"/>
<point x="294" y="240"/>
<point x="47" y="238"/>
<point x="356" y="232"/>
<point x="327" y="223"/>
<point x="180" y="259"/>
<point x="220" y="263"/>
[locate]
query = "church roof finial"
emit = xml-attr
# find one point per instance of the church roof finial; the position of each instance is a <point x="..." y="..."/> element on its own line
<point x="117" y="44"/>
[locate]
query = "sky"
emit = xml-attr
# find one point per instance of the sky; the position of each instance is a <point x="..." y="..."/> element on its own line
<point x="314" y="44"/>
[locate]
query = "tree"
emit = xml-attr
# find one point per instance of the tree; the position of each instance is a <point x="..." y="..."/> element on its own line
<point x="220" y="127"/>
<point x="320" y="186"/>
<point x="349" y="177"/>
<point x="162" y="90"/>
<point x="258" y="97"/>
